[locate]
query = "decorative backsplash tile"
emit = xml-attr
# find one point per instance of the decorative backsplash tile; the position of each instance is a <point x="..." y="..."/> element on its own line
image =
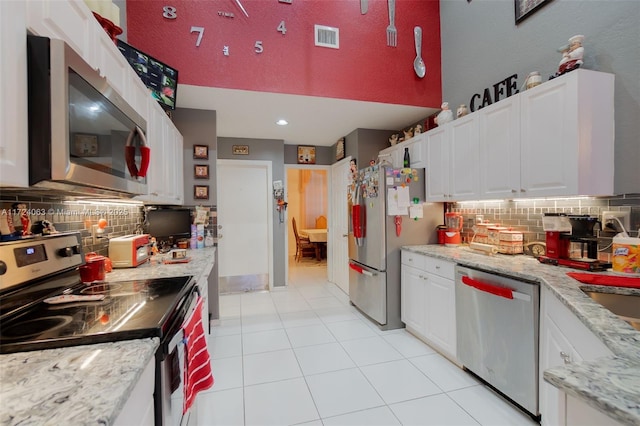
<point x="122" y="218"/>
<point x="526" y="215"/>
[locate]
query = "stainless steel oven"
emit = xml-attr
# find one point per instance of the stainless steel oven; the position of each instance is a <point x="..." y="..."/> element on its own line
<point x="497" y="326"/>
<point x="83" y="136"/>
<point x="37" y="271"/>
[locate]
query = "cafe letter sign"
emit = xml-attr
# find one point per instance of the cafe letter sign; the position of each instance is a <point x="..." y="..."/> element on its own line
<point x="500" y="90"/>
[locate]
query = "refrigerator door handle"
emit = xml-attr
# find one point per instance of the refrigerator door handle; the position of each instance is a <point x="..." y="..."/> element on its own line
<point x="361" y="270"/>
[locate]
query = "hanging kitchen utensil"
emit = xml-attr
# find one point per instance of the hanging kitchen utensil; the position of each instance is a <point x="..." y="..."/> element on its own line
<point x="418" y="64"/>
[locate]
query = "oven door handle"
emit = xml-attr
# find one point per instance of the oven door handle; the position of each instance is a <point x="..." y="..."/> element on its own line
<point x="507" y="293"/>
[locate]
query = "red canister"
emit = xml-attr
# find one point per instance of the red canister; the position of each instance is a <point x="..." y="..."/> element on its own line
<point x="441" y="230"/>
<point x="94" y="268"/>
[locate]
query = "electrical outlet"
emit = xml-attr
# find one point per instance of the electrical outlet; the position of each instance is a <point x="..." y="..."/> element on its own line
<point x="624" y="217"/>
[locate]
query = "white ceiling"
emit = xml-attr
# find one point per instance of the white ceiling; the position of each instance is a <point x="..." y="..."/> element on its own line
<point x="312" y="120"/>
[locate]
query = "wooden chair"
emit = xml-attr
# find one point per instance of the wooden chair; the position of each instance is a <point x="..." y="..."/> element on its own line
<point x="303" y="245"/>
<point x="321" y="222"/>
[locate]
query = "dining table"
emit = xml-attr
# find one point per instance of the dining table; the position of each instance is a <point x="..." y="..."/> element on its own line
<point x="317" y="237"/>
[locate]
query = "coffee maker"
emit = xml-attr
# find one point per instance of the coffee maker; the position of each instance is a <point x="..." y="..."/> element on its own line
<point x="561" y="230"/>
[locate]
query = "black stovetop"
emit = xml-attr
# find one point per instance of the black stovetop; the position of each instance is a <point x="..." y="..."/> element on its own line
<point x="130" y="310"/>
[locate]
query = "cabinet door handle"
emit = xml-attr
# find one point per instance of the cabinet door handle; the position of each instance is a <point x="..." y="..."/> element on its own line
<point x="566" y="358"/>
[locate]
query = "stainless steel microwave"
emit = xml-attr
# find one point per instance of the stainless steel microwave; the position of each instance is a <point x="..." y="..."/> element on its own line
<point x="84" y="138"/>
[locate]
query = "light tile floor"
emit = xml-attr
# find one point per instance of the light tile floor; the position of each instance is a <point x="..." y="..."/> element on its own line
<point x="304" y="355"/>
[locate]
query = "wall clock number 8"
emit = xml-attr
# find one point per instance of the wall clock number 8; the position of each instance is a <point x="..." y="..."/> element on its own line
<point x="169" y="12"/>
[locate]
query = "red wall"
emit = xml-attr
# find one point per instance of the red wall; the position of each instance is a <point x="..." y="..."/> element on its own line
<point x="364" y="68"/>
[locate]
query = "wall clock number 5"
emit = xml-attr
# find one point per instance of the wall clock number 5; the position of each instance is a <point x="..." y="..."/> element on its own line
<point x="169" y="12"/>
<point x="258" y="47"/>
<point x="282" y="28"/>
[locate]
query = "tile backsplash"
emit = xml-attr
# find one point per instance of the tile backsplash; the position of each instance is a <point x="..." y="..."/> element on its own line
<point x="526" y="215"/>
<point x="82" y="216"/>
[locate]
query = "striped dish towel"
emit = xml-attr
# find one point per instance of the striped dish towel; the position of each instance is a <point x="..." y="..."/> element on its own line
<point x="197" y="372"/>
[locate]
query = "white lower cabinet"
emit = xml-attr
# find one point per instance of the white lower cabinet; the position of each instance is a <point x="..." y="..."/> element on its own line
<point x="428" y="301"/>
<point x="138" y="410"/>
<point x="563" y="339"/>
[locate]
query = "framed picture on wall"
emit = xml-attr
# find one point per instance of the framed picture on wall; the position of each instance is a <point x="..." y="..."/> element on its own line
<point x="201" y="171"/>
<point x="306" y="154"/>
<point x="201" y="192"/>
<point x="340" y="149"/>
<point x="201" y="152"/>
<point x="525" y="8"/>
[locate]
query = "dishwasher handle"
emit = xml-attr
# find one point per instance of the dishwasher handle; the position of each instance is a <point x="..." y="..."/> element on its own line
<point x="507" y="293"/>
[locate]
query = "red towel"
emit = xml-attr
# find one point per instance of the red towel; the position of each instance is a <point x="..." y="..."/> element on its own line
<point x="599" y="279"/>
<point x="197" y="371"/>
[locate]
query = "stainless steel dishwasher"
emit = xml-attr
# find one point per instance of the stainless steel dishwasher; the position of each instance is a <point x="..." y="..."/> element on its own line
<point x="497" y="322"/>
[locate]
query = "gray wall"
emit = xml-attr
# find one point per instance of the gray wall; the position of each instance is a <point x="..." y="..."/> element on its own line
<point x="198" y="127"/>
<point x="365" y="144"/>
<point x="481" y="45"/>
<point x="266" y="150"/>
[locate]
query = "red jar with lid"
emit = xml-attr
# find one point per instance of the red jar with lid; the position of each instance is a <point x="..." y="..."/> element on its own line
<point x="94" y="268"/>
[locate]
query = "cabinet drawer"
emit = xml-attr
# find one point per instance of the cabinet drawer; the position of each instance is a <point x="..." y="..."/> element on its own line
<point x="439" y="267"/>
<point x="413" y="259"/>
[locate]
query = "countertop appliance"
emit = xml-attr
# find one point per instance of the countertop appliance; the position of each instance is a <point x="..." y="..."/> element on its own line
<point x="129" y="251"/>
<point x="497" y="326"/>
<point x="44" y="305"/>
<point x="380" y="224"/>
<point x="561" y="230"/>
<point x="453" y="222"/>
<point x="84" y="138"/>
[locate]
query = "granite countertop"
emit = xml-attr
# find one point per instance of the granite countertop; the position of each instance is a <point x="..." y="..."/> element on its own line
<point x="611" y="384"/>
<point x="80" y="385"/>
<point x="54" y="387"/>
<point x="199" y="265"/>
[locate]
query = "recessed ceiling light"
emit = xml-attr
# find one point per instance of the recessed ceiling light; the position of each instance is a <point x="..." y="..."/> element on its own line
<point x="282" y="122"/>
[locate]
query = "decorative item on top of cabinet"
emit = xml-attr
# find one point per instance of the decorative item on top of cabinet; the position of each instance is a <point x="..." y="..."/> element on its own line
<point x="393" y="139"/>
<point x="461" y="111"/>
<point x="418" y="129"/>
<point x="445" y="115"/>
<point x="572" y="54"/>
<point x="408" y="134"/>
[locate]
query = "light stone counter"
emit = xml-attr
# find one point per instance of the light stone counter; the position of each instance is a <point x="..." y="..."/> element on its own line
<point x="51" y="387"/>
<point x="610" y="384"/>
<point x="82" y="385"/>
<point x="200" y="262"/>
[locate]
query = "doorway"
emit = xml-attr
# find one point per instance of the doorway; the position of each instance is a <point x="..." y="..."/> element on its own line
<point x="245" y="213"/>
<point x="308" y="198"/>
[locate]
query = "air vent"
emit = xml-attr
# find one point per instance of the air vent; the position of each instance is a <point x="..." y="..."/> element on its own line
<point x="327" y="36"/>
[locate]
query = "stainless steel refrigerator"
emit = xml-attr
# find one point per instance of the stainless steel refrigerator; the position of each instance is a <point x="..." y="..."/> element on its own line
<point x="384" y="216"/>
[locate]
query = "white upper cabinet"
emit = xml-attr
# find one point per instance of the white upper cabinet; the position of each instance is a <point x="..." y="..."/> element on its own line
<point x="464" y="161"/>
<point x="499" y="142"/>
<point x="452" y="161"/>
<point x="567" y="136"/>
<point x="14" y="147"/>
<point x="165" y="177"/>
<point x="416" y="145"/>
<point x="437" y="152"/>
<point x="69" y="20"/>
<point x="556" y="139"/>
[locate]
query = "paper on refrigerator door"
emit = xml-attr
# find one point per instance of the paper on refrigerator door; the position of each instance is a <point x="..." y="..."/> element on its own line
<point x="393" y="205"/>
<point x="416" y="211"/>
<point x="404" y="197"/>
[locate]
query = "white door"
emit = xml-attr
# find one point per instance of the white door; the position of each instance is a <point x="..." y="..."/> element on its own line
<point x="338" y="272"/>
<point x="246" y="216"/>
